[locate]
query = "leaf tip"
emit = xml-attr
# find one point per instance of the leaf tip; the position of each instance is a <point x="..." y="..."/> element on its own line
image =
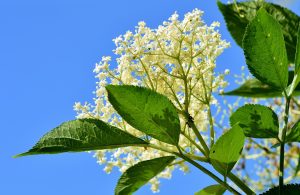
<point x="21" y="155"/>
<point x="108" y="87"/>
<point x="220" y="4"/>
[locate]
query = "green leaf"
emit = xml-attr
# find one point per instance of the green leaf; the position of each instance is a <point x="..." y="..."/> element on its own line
<point x="139" y="174"/>
<point x="296" y="79"/>
<point x="226" y="151"/>
<point x="256" y="121"/>
<point x="212" y="190"/>
<point x="265" y="51"/>
<point x="255" y="88"/>
<point x="294" y="134"/>
<point x="147" y="111"/>
<point x="276" y="145"/>
<point x="238" y="15"/>
<point x="83" y="135"/>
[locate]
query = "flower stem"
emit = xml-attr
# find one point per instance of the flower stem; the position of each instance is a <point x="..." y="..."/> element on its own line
<point x="189" y="158"/>
<point x="211" y="125"/>
<point x="190" y="121"/>
<point x="207" y="172"/>
<point x="282" y="143"/>
<point x="193" y="142"/>
<point x="199" y="136"/>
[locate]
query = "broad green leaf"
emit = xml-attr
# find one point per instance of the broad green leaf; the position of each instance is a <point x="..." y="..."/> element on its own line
<point x="83" y="135"/>
<point x="265" y="51"/>
<point x="212" y="190"/>
<point x="294" y="134"/>
<point x="238" y="15"/>
<point x="255" y="88"/>
<point x="138" y="175"/>
<point x="226" y="151"/>
<point x="147" y="111"/>
<point x="256" y="121"/>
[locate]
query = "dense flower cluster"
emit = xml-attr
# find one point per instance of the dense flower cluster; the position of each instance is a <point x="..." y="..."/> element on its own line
<point x="178" y="60"/>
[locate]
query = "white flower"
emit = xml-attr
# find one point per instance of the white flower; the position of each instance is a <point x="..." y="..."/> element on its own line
<point x="227" y="71"/>
<point x="178" y="60"/>
<point x="77" y="106"/>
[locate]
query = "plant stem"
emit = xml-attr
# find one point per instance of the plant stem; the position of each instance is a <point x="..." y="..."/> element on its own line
<point x="282" y="143"/>
<point x="211" y="125"/>
<point x="262" y="147"/>
<point x="207" y="172"/>
<point x="188" y="158"/>
<point x="239" y="183"/>
<point x="201" y="168"/>
<point x="195" y="130"/>
<point x="161" y="148"/>
<point x="207" y="94"/>
<point x="190" y="121"/>
<point x="193" y="142"/>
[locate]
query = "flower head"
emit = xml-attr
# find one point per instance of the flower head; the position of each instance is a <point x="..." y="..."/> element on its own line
<point x="178" y="60"/>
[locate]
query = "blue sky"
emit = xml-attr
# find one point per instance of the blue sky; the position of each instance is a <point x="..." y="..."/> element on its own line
<point x="48" y="50"/>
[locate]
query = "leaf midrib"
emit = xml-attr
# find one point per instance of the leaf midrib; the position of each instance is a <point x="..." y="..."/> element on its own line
<point x="271" y="53"/>
<point x="148" y="116"/>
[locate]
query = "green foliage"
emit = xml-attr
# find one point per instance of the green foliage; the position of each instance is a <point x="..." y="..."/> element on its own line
<point x="83" y="135"/>
<point x="256" y="89"/>
<point x="139" y="174"/>
<point x="270" y="66"/>
<point x="268" y="35"/>
<point x="212" y="190"/>
<point x="147" y="111"/>
<point x="238" y="15"/>
<point x="226" y="151"/>
<point x="296" y="79"/>
<point x="294" y="134"/>
<point x="256" y="121"/>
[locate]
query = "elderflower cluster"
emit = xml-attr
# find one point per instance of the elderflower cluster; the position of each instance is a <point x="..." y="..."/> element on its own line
<point x="178" y="60"/>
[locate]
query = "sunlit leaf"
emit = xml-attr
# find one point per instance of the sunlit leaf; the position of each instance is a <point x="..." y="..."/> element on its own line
<point x="138" y="175"/>
<point x="226" y="151"/>
<point x="83" y="135"/>
<point x="212" y="190"/>
<point x="256" y="89"/>
<point x="257" y="121"/>
<point x="238" y="15"/>
<point x="147" y="111"/>
<point x="265" y="51"/>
